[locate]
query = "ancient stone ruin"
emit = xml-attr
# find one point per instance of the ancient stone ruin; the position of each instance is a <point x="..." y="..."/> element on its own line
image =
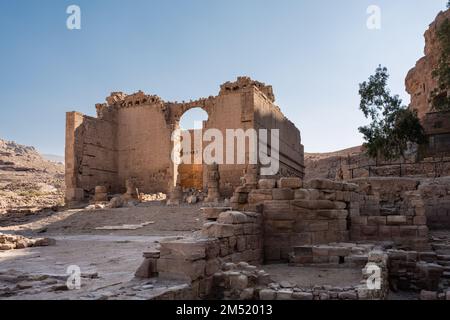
<point x="131" y="138"/>
<point x="346" y="227"/>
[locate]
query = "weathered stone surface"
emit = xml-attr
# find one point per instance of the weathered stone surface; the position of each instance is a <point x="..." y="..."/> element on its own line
<point x="302" y="296"/>
<point x="217" y="230"/>
<point x="267" y="184"/>
<point x="396" y="220"/>
<point x="186" y="249"/>
<point x="290" y="183"/>
<point x="283" y="194"/>
<point x="259" y="195"/>
<point x="267" y="294"/>
<point x="232" y="217"/>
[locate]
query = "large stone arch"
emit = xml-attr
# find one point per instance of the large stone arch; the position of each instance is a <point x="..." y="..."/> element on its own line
<point x="175" y="112"/>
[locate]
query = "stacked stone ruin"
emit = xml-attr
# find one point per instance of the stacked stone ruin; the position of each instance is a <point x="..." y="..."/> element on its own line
<point x="317" y="223"/>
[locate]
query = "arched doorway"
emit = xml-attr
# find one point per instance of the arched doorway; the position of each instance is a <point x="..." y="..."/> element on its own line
<point x="190" y="172"/>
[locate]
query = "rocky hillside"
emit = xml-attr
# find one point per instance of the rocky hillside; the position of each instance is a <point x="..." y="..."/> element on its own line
<point x="27" y="180"/>
<point x="326" y="165"/>
<point x="420" y="81"/>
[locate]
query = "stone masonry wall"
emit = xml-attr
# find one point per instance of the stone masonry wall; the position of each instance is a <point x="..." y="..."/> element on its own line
<point x="436" y="196"/>
<point x="233" y="237"/>
<point x="295" y="216"/>
<point x="90" y="156"/>
<point x="390" y="209"/>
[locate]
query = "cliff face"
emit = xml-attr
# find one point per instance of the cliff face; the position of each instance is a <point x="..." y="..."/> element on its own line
<point x="27" y="179"/>
<point x="419" y="81"/>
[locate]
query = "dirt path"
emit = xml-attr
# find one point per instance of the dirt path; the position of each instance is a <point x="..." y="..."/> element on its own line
<point x="107" y="259"/>
<point x="166" y="221"/>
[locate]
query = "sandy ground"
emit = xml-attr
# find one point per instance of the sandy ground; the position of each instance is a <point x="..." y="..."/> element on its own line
<point x="167" y="221"/>
<point x="107" y="258"/>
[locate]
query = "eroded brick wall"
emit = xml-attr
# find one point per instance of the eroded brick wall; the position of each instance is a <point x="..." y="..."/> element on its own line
<point x="390" y="209"/>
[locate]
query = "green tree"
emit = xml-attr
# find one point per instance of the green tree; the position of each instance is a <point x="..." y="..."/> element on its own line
<point x="393" y="125"/>
<point x="440" y="97"/>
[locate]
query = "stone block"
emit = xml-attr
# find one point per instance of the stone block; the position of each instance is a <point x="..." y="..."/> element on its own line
<point x="180" y="269"/>
<point x="422" y="231"/>
<point x="278" y="210"/>
<point x="377" y="220"/>
<point x="260" y="195"/>
<point x="339" y="251"/>
<point x="241" y="244"/>
<point x="314" y="204"/>
<point x="217" y="230"/>
<point x="408" y="231"/>
<point x="321" y="251"/>
<point x="302" y="194"/>
<point x="267" y="294"/>
<point x="267" y="184"/>
<point x="147" y="269"/>
<point x="238" y="281"/>
<point x="291" y="183"/>
<point x="212" y="249"/>
<point x="350" y="187"/>
<point x="331" y="214"/>
<point x="359" y="220"/>
<point x="420" y="220"/>
<point x="396" y="220"/>
<point x="284" y="294"/>
<point x="283" y="194"/>
<point x="323" y="184"/>
<point x="302" y="296"/>
<point x="232" y="217"/>
<point x="212" y="266"/>
<point x="317" y="226"/>
<point x="185" y="249"/>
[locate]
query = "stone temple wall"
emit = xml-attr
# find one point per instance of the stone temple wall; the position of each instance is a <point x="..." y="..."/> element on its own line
<point x="317" y="223"/>
<point x="131" y="138"/>
<point x="391" y="209"/>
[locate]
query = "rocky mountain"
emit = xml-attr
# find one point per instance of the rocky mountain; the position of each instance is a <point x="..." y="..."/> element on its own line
<point x="27" y="180"/>
<point x="420" y="81"/>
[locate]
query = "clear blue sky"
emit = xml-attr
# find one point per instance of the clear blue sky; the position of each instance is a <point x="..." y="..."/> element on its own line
<point x="314" y="53"/>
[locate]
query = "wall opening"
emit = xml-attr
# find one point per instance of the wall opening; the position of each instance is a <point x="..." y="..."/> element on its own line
<point x="192" y="123"/>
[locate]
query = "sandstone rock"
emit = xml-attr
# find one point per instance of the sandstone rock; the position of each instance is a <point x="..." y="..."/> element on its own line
<point x="290" y="183"/>
<point x="285" y="294"/>
<point x="238" y="282"/>
<point x="192" y="199"/>
<point x="116" y="202"/>
<point x="302" y="296"/>
<point x="283" y="194"/>
<point x="396" y="220"/>
<point x="247" y="294"/>
<point x="232" y="217"/>
<point x="267" y="183"/>
<point x="267" y="294"/>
